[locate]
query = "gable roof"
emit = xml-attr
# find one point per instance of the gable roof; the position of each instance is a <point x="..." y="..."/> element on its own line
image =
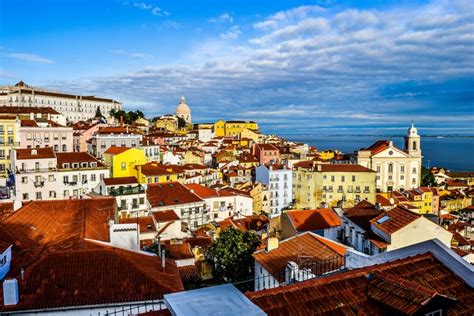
<point x="165" y="216"/>
<point x="114" y="150"/>
<point x="35" y="153"/>
<point x="396" y="218"/>
<point x="311" y="220"/>
<point x="362" y="213"/>
<point x="100" y="275"/>
<point x="351" y="291"/>
<point x="170" y="194"/>
<point x="76" y="157"/>
<point x="308" y="245"/>
<point x="120" y="181"/>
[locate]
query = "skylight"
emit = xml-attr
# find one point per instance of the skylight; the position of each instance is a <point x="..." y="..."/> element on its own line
<point x="383" y="219"/>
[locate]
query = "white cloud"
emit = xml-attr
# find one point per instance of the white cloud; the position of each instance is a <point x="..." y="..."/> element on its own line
<point x="233" y="33"/>
<point x="155" y="10"/>
<point x="138" y="55"/>
<point x="30" y="58"/>
<point x="223" y="18"/>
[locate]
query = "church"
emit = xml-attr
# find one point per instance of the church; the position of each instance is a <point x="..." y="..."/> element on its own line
<point x="396" y="169"/>
<point x="184" y="111"/>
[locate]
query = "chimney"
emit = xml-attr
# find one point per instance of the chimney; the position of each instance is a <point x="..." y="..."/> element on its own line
<point x="163" y="259"/>
<point x="10" y="292"/>
<point x="272" y="243"/>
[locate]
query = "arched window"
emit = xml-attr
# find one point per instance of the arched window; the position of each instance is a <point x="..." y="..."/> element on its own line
<point x="390" y="168"/>
<point x="414" y="145"/>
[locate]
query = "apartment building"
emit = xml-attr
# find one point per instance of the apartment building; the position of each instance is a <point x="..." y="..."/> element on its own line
<point x="37" y="132"/>
<point x="279" y="180"/>
<point x="112" y="136"/>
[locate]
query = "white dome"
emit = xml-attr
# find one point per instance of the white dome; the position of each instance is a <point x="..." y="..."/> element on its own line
<point x="183" y="108"/>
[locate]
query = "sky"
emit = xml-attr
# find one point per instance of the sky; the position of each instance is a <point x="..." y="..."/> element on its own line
<point x="295" y="67"/>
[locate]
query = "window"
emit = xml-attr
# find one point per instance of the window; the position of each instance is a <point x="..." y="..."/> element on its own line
<point x="37" y="165"/>
<point x="39" y="196"/>
<point x="402" y="169"/>
<point x="333" y="178"/>
<point x="51" y="178"/>
<point x="24" y="180"/>
<point x="124" y="166"/>
<point x="3" y="261"/>
<point x="52" y="194"/>
<point x="56" y="148"/>
<point x="66" y="179"/>
<point x="74" y="178"/>
<point x="343" y="178"/>
<point x="84" y="178"/>
<point x="390" y="168"/>
<point x="438" y="312"/>
<point x="378" y="169"/>
<point x="28" y="136"/>
<point x="353" y="178"/>
<point x="142" y="201"/>
<point x="25" y="196"/>
<point x="64" y="147"/>
<point x="66" y="193"/>
<point x="413" y="170"/>
<point x="93" y="177"/>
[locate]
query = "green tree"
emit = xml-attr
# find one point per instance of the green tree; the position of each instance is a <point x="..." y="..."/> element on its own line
<point x="232" y="255"/>
<point x="181" y="122"/>
<point x="98" y="113"/>
<point x="427" y="178"/>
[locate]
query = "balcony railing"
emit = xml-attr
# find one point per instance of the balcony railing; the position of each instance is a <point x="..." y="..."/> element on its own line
<point x="34" y="170"/>
<point x="126" y="191"/>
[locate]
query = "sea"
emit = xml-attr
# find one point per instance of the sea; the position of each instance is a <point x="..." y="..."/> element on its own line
<point x="451" y="152"/>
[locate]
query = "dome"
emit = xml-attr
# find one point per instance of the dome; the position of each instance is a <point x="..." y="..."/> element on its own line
<point x="183" y="108"/>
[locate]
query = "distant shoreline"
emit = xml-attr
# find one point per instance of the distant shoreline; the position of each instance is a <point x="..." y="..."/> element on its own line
<point x="377" y="135"/>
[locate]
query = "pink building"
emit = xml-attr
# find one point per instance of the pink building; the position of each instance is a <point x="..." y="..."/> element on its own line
<point x="41" y="133"/>
<point x="82" y="133"/>
<point x="266" y="153"/>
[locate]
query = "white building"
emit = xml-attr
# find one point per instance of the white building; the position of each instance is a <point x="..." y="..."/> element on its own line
<point x="37" y="133"/>
<point x="183" y="110"/>
<point x="41" y="174"/>
<point x="396" y="169"/>
<point x="221" y="204"/>
<point x="371" y="230"/>
<point x="112" y="136"/>
<point x="279" y="180"/>
<point x="73" y="107"/>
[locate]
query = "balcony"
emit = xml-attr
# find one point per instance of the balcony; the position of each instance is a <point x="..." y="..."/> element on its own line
<point x="34" y="170"/>
<point x="127" y="190"/>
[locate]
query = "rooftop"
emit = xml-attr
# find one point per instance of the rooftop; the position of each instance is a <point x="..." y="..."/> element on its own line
<point x="312" y="220"/>
<point x="170" y="194"/>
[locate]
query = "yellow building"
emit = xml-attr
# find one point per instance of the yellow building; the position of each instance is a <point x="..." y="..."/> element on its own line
<point x="233" y="128"/>
<point x="167" y="123"/>
<point x="123" y="160"/>
<point x="153" y="172"/>
<point x="316" y="184"/>
<point x="192" y="158"/>
<point x="421" y="200"/>
<point x="251" y="134"/>
<point x="9" y="140"/>
<point x="261" y="198"/>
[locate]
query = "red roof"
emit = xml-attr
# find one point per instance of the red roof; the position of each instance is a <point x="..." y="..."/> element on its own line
<point x="397" y="218"/>
<point x="378" y="146"/>
<point x="311" y="220"/>
<point x="114" y="150"/>
<point x="307" y="245"/>
<point x="101" y="275"/>
<point x="146" y="223"/>
<point x="267" y="147"/>
<point x="170" y="194"/>
<point x="76" y="157"/>
<point x="120" y="181"/>
<point x="157" y="169"/>
<point x="202" y="191"/>
<point x="179" y="251"/>
<point x="404" y="285"/>
<point x="362" y="213"/>
<point x="35" y="153"/>
<point x="27" y="110"/>
<point x="165" y="216"/>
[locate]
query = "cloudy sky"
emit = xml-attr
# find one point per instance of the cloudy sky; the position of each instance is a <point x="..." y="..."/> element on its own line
<point x="294" y="66"/>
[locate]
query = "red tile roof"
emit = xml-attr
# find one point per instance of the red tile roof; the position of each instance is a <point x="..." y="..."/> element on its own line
<point x="398" y="217"/>
<point x="146" y="223"/>
<point x="114" y="150"/>
<point x="165" y="216"/>
<point x="382" y="200"/>
<point x="156" y="169"/>
<point x="378" y="146"/>
<point x="170" y="194"/>
<point x="28" y="123"/>
<point x="347" y="293"/>
<point x="35" y="153"/>
<point x="311" y="220"/>
<point x="120" y="181"/>
<point x="6" y="208"/>
<point x="102" y="275"/>
<point x="202" y="191"/>
<point x="27" y="110"/>
<point x="267" y="147"/>
<point x="76" y="157"/>
<point x="307" y="245"/>
<point x="179" y="251"/>
<point x="362" y="213"/>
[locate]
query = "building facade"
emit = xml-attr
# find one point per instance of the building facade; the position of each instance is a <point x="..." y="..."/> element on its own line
<point x="279" y="180"/>
<point x="73" y="107"/>
<point x="396" y="169"/>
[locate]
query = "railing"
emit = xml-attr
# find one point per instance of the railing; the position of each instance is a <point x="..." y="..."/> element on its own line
<point x="126" y="191"/>
<point x="302" y="272"/>
<point x="33" y="170"/>
<point x="135" y="309"/>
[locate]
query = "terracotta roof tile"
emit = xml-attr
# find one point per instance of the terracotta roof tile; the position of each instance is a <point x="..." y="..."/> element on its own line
<point x="114" y="150"/>
<point x="397" y="218"/>
<point x="306" y="245"/>
<point x="35" y="153"/>
<point x="362" y="213"/>
<point x="170" y="194"/>
<point x="179" y="251"/>
<point x="76" y="157"/>
<point x="145" y="223"/>
<point x="120" y="181"/>
<point x="347" y="293"/>
<point x="27" y="110"/>
<point x="165" y="216"/>
<point x="311" y="220"/>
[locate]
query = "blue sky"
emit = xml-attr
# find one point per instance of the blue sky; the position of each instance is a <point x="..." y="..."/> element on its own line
<point x="293" y="66"/>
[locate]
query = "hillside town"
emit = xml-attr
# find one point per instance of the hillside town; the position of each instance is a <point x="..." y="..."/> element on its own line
<point x="109" y="212"/>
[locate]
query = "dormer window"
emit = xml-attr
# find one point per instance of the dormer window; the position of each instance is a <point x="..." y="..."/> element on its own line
<point x="84" y="164"/>
<point x="93" y="164"/>
<point x="75" y="165"/>
<point x="65" y="165"/>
